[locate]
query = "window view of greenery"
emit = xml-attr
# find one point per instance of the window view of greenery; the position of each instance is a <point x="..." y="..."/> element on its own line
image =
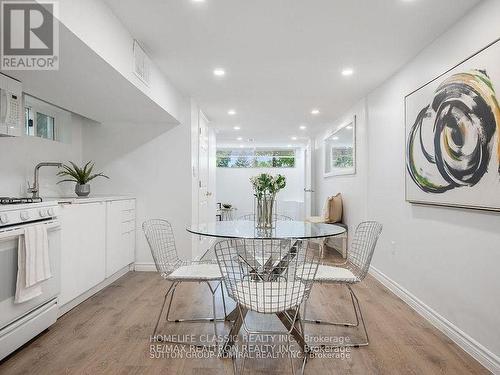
<point x="248" y="158"/>
<point x="342" y="157"/>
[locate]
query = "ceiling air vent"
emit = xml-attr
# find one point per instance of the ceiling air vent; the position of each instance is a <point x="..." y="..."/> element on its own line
<point x="142" y="63"/>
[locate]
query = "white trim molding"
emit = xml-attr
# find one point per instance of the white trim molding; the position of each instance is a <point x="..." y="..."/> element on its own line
<point x="146" y="266"/>
<point x="484" y="356"/>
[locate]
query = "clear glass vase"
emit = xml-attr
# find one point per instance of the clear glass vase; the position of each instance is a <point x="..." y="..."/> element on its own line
<point x="264" y="211"/>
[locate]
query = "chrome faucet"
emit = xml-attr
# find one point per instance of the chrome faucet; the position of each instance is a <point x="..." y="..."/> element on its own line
<point x="35" y="189"/>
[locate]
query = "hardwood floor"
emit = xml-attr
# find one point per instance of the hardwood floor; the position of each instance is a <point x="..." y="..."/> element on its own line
<point x="110" y="334"/>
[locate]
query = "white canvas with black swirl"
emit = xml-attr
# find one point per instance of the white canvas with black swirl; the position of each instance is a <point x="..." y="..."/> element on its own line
<point x="452" y="136"/>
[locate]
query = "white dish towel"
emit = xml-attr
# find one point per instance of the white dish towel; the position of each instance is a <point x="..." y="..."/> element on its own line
<point x="33" y="265"/>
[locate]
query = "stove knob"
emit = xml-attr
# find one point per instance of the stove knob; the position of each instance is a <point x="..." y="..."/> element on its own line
<point x="50" y="212"/>
<point x="42" y="213"/>
<point x="25" y="215"/>
<point x="4" y="219"/>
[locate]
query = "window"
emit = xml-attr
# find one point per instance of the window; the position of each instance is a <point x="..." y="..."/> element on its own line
<point x="43" y="120"/>
<point x="29" y="124"/>
<point x="39" y="124"/>
<point x="45" y="126"/>
<point x="250" y="158"/>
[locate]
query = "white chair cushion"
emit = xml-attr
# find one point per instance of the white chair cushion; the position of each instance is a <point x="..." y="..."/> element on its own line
<point x="331" y="274"/>
<point x="335" y="274"/>
<point x="316" y="219"/>
<point x="269" y="297"/>
<point x="201" y="271"/>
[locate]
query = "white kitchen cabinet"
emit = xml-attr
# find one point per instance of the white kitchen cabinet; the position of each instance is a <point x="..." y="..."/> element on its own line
<point x="120" y="235"/>
<point x="83" y="250"/>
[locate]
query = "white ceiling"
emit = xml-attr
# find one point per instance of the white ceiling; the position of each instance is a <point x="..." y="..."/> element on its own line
<point x="282" y="57"/>
<point x="88" y="85"/>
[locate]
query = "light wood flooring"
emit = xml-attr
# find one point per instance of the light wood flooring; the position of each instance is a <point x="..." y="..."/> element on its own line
<point x="110" y="334"/>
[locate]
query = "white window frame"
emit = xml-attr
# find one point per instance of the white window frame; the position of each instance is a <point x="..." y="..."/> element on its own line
<point x="45" y="110"/>
<point x="269" y="149"/>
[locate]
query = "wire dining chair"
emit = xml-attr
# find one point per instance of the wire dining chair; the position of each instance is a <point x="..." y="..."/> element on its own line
<point x="160" y="237"/>
<point x="352" y="272"/>
<point x="268" y="277"/>
<point x="251" y="217"/>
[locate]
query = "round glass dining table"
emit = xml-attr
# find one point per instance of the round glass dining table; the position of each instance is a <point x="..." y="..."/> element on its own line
<point x="282" y="230"/>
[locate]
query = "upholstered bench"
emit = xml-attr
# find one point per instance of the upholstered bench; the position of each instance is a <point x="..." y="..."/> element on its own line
<point x="333" y="213"/>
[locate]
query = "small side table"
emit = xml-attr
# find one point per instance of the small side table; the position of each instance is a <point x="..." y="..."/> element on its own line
<point x="227" y="213"/>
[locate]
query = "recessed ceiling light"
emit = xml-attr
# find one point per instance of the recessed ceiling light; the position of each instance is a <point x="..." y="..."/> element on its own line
<point x="236" y="128"/>
<point x="219" y="72"/>
<point x="349" y="127"/>
<point x="294" y="138"/>
<point x="315" y="112"/>
<point x="302" y="127"/>
<point x="288" y="145"/>
<point x="239" y="138"/>
<point x="347" y="72"/>
<point x="231" y="112"/>
<point x="335" y="138"/>
<point x="198" y="1"/>
<point x="241" y="146"/>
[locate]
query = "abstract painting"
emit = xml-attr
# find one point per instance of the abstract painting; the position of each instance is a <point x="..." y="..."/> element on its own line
<point x="453" y="135"/>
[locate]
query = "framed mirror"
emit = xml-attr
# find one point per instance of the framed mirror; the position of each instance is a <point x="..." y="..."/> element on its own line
<point x="340" y="150"/>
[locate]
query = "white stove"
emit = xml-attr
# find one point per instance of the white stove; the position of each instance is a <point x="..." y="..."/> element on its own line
<point x="22" y="213"/>
<point x="20" y="322"/>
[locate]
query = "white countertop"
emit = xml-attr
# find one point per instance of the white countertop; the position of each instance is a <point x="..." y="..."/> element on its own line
<point x="90" y="199"/>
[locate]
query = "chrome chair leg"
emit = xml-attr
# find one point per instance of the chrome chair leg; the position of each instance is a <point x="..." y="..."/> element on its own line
<point x="344" y="324"/>
<point x="171" y="291"/>
<point x="223" y="300"/>
<point x="192" y="320"/>
<point x="214" y="320"/>
<point x="288" y="334"/>
<point x="170" y="302"/>
<point x="365" y="343"/>
<point x="162" y="307"/>
<point x="359" y="316"/>
<point x="290" y="358"/>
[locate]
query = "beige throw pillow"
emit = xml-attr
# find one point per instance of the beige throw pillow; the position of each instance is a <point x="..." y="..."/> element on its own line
<point x="333" y="212"/>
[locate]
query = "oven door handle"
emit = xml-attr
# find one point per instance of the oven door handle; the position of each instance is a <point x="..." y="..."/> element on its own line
<point x="10" y="233"/>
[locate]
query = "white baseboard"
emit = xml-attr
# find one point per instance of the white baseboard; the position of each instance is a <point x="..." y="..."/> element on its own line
<point x="484" y="356"/>
<point x="89" y="293"/>
<point x="147" y="267"/>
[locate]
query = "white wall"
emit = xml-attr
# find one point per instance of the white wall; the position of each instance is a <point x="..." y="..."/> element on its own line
<point x="152" y="164"/>
<point x="352" y="187"/>
<point x="447" y="258"/>
<point x="20" y="155"/>
<point x="233" y="186"/>
<point x="95" y="24"/>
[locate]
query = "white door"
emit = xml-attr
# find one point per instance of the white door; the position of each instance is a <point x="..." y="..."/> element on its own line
<point x="212" y="162"/>
<point x="206" y="180"/>
<point x="308" y="180"/>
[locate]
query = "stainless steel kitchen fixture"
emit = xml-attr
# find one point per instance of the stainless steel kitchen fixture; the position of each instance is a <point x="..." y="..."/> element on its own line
<point x="35" y="189"/>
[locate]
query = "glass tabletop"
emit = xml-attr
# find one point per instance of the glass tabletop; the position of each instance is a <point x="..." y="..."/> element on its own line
<point x="282" y="230"/>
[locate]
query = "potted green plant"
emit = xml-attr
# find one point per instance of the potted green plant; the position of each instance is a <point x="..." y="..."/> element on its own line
<point x="81" y="176"/>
